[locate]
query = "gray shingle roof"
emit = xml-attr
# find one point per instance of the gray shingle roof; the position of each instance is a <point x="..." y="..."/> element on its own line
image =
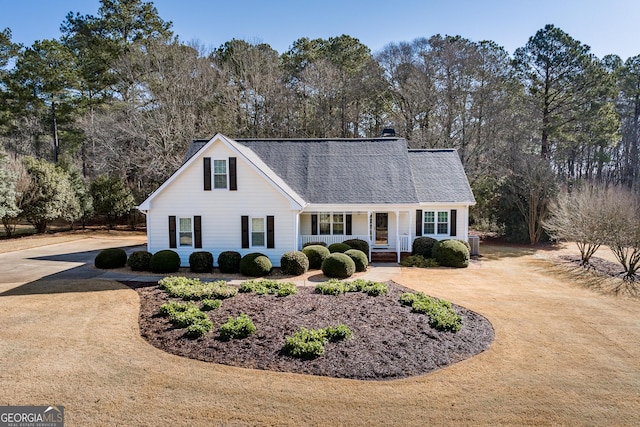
<point x="359" y="171"/>
<point x="438" y="176"/>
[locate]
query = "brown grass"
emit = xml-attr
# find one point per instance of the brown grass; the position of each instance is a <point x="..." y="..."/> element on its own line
<point x="563" y="355"/>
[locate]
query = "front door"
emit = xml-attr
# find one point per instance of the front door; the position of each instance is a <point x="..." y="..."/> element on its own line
<point x="382" y="229"/>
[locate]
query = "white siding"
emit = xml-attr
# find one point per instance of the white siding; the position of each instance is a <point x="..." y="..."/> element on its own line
<point x="221" y="209"/>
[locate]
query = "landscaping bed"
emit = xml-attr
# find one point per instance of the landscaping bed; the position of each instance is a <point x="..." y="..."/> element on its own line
<point x="389" y="341"/>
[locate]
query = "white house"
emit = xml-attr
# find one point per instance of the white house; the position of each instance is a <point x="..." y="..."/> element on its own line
<point x="274" y="195"/>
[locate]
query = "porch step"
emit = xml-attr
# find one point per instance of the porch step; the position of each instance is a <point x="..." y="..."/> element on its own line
<point x="387" y="256"/>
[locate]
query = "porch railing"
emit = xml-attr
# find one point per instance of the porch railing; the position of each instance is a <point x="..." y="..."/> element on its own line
<point x="404" y="243"/>
<point x="329" y="239"/>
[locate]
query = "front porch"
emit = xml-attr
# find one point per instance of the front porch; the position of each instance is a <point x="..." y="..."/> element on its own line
<point x="386" y="232"/>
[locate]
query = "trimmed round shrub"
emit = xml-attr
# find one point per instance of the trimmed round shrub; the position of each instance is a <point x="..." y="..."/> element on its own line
<point x="229" y="262"/>
<point x="339" y="247"/>
<point x="139" y="261"/>
<point x="359" y="258"/>
<point x="111" y="258"/>
<point x="338" y="265"/>
<point x="359" y="244"/>
<point x="451" y="253"/>
<point x="314" y="244"/>
<point x="423" y="246"/>
<point x="294" y="263"/>
<point x="255" y="264"/>
<point x="316" y="254"/>
<point x="165" y="261"/>
<point x="201" y="262"/>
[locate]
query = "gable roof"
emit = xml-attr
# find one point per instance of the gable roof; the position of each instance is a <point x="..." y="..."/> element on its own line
<point x="438" y="176"/>
<point x="248" y="155"/>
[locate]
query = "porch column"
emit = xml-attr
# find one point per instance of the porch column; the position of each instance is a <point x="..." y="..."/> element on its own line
<point x="369" y="232"/>
<point x="398" y="235"/>
<point x="296" y="232"/>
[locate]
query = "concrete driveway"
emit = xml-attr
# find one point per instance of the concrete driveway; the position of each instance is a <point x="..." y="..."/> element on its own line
<point x="67" y="260"/>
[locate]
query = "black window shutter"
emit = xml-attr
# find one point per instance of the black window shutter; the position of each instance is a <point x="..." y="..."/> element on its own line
<point x="172" y="232"/>
<point x="453" y="224"/>
<point x="314" y="224"/>
<point x="347" y="225"/>
<point x="207" y="173"/>
<point x="233" y="178"/>
<point x="418" y="222"/>
<point x="270" y="232"/>
<point x="245" y="231"/>
<point x="197" y="230"/>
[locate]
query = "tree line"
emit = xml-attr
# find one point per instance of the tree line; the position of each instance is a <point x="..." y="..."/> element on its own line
<point x="118" y="95"/>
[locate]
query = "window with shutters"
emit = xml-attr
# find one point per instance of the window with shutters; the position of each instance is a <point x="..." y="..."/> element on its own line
<point x="219" y="174"/>
<point x="331" y="223"/>
<point x="258" y="232"/>
<point x="185" y="236"/>
<point x="435" y="223"/>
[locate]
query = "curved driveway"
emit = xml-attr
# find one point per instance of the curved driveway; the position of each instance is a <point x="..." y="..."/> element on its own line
<point x="563" y="354"/>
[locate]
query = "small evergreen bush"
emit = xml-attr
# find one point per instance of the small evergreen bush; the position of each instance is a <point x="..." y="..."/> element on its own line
<point x="269" y="287"/>
<point x="240" y="327"/>
<point x="339" y="247"/>
<point x="451" y="253"/>
<point x="316" y="254"/>
<point x="359" y="244"/>
<point x="165" y="261"/>
<point x="111" y="258"/>
<point x="423" y="246"/>
<point x="338" y="265"/>
<point x="229" y="262"/>
<point x="187" y="315"/>
<point x="323" y="244"/>
<point x="359" y="258"/>
<point x="194" y="289"/>
<point x="309" y="343"/>
<point x="294" y="263"/>
<point x="255" y="265"/>
<point x="440" y="312"/>
<point x="332" y="287"/>
<point x="338" y="287"/>
<point x="139" y="261"/>
<point x="201" y="262"/>
<point x="210" y="304"/>
<point x="419" y="261"/>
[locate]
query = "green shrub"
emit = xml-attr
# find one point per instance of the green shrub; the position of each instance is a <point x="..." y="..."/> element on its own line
<point x="338" y="265"/>
<point x="337" y="333"/>
<point x="451" y="253"/>
<point x="339" y="247"/>
<point x="194" y="289"/>
<point x="229" y="262"/>
<point x="359" y="258"/>
<point x="201" y="262"/>
<point x="187" y="315"/>
<point x="419" y="261"/>
<point x="359" y="244"/>
<point x="210" y="304"/>
<point x="111" y="258"/>
<point x="166" y="261"/>
<point x="255" y="264"/>
<point x="374" y="289"/>
<point x="240" y="327"/>
<point x="271" y="287"/>
<point x="309" y="343"/>
<point x="316" y="254"/>
<point x="423" y="246"/>
<point x="139" y="261"/>
<point x="294" y="263"/>
<point x="441" y="314"/>
<point x="332" y="287"/>
<point x="323" y="244"/>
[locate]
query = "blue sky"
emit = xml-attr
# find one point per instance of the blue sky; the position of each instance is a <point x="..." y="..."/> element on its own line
<point x="608" y="26"/>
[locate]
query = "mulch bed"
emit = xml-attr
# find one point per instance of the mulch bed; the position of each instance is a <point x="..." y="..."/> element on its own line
<point x="608" y="268"/>
<point x="389" y="341"/>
